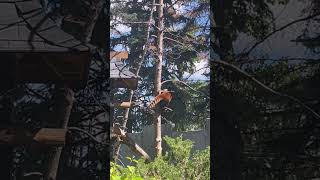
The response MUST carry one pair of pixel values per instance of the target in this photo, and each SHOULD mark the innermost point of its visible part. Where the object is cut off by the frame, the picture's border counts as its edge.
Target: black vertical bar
(7, 70)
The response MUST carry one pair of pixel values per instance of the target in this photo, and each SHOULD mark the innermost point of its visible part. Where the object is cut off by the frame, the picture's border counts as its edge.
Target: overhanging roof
(118, 70)
(33, 49)
(120, 75)
(25, 27)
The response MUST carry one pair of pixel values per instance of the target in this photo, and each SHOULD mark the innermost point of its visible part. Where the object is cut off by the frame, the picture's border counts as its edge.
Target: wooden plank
(49, 136)
(119, 55)
(121, 104)
(44, 136)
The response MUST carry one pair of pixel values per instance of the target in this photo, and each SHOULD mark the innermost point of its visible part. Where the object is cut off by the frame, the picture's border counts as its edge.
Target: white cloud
(200, 68)
(123, 28)
(179, 9)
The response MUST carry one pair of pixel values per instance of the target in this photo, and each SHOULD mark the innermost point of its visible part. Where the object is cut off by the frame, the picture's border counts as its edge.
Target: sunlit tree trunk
(157, 80)
(139, 64)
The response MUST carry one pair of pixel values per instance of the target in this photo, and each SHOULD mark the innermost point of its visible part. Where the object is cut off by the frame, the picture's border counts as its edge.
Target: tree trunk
(131, 93)
(226, 132)
(221, 14)
(64, 101)
(95, 9)
(157, 81)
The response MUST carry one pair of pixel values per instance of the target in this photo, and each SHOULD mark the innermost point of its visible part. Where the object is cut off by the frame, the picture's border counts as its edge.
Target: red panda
(164, 95)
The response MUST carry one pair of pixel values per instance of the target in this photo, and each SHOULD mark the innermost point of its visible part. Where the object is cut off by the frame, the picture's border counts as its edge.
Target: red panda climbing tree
(164, 95)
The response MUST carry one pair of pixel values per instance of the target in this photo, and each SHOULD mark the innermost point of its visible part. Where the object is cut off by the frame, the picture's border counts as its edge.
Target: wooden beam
(64, 97)
(49, 136)
(121, 104)
(118, 55)
(125, 139)
(44, 136)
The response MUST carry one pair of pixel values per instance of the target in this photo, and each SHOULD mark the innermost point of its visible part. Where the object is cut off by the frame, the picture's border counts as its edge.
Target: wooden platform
(120, 75)
(33, 49)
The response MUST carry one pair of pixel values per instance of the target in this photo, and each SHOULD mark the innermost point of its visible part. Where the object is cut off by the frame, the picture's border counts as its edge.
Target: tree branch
(175, 81)
(277, 30)
(223, 63)
(88, 134)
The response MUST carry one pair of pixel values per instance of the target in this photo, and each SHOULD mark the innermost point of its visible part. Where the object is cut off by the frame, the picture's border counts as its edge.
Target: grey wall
(145, 139)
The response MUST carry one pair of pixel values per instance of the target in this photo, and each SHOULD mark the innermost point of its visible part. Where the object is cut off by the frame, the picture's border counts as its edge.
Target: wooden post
(120, 104)
(64, 101)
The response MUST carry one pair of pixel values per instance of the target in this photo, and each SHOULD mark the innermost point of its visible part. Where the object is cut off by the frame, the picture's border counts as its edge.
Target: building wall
(145, 139)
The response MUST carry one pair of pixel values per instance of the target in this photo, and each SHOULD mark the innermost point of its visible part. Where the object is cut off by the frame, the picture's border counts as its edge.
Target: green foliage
(177, 163)
(118, 172)
(190, 108)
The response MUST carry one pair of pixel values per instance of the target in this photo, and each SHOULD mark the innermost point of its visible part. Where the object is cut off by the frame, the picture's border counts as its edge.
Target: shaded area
(266, 116)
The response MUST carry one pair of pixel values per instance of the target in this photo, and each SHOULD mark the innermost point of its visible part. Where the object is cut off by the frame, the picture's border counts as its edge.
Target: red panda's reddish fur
(164, 95)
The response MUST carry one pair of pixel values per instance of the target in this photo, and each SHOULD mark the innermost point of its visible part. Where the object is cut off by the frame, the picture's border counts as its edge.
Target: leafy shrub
(177, 163)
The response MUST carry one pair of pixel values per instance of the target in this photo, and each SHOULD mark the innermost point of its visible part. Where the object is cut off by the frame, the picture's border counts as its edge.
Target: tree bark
(122, 137)
(131, 93)
(64, 101)
(226, 130)
(157, 80)
(95, 10)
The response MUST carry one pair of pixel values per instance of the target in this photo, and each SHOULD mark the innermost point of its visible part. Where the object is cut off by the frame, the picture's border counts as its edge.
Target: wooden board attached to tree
(43, 136)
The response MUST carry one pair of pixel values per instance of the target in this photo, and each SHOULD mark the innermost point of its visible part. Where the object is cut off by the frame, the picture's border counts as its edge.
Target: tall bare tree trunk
(65, 95)
(226, 131)
(64, 101)
(127, 111)
(157, 81)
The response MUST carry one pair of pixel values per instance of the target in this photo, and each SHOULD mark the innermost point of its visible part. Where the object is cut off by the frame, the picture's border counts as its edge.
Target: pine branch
(185, 84)
(277, 30)
(88, 134)
(235, 68)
